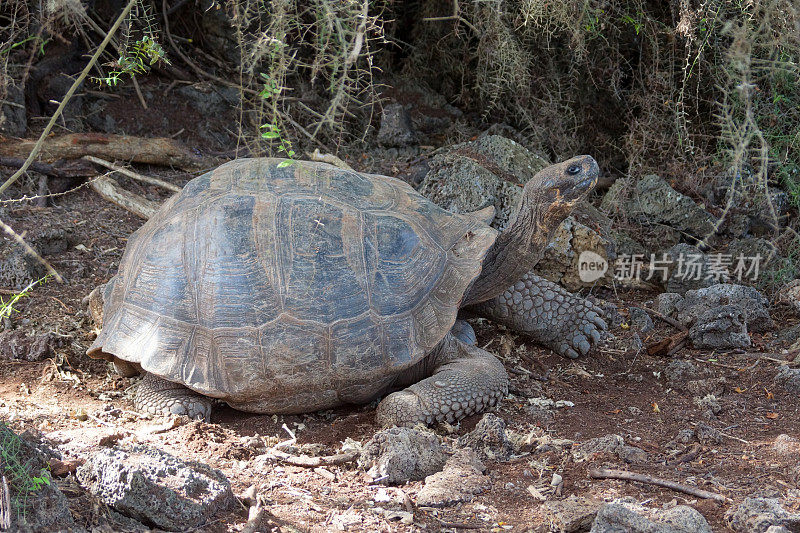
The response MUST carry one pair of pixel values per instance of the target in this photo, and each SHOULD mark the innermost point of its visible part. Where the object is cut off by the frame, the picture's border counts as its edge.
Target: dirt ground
(71, 399)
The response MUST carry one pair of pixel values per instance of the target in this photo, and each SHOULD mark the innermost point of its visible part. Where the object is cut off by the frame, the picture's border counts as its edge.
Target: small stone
(640, 320)
(678, 371)
(489, 439)
(398, 455)
(571, 514)
(757, 514)
(786, 445)
(708, 435)
(557, 480)
(788, 380)
(704, 387)
(460, 480)
(396, 129)
(667, 303)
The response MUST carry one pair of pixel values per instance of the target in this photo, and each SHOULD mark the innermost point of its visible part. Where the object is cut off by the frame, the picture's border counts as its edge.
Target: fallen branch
(156, 151)
(665, 318)
(314, 462)
(109, 189)
(669, 345)
(133, 175)
(606, 473)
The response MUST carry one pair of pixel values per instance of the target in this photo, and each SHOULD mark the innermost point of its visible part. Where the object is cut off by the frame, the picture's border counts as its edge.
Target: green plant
(7, 306)
(25, 475)
(137, 59)
(271, 131)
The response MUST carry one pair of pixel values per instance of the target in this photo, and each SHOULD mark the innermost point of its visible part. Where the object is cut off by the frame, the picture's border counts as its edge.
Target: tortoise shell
(289, 289)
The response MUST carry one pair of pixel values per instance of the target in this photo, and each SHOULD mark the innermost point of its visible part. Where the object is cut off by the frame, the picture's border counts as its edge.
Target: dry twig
(111, 190)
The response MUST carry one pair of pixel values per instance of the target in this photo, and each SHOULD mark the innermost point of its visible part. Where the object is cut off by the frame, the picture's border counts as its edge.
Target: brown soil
(72, 399)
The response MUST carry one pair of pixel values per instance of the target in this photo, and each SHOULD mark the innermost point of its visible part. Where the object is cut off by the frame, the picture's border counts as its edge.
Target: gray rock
(756, 515)
(17, 345)
(667, 303)
(789, 295)
(653, 202)
(703, 387)
(751, 247)
(18, 269)
(640, 320)
(488, 171)
(720, 328)
(707, 435)
(786, 445)
(777, 529)
(751, 301)
(613, 444)
(678, 372)
(560, 263)
(489, 439)
(605, 444)
(632, 454)
(43, 508)
(688, 268)
(710, 403)
(156, 488)
(13, 120)
(398, 455)
(625, 515)
(788, 380)
(790, 336)
(213, 103)
(571, 514)
(396, 128)
(460, 480)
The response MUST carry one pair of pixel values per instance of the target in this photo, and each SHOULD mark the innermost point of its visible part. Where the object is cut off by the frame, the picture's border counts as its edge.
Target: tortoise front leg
(464, 380)
(158, 396)
(552, 316)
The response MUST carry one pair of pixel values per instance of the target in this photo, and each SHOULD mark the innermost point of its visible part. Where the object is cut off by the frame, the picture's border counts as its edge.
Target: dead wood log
(154, 151)
(109, 189)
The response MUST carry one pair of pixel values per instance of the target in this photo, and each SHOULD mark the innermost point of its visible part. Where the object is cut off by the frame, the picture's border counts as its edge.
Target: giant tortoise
(292, 288)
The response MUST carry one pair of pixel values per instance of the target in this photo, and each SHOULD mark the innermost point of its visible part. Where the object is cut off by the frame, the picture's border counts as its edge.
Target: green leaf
(270, 135)
(285, 163)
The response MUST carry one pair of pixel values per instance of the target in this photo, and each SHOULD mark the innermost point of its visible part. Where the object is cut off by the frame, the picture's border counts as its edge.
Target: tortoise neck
(517, 250)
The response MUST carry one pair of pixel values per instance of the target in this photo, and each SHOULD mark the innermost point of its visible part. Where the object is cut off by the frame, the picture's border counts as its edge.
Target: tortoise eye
(573, 169)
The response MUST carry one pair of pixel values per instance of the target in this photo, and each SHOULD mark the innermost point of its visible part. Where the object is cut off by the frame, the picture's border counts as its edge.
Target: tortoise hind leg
(465, 380)
(161, 397)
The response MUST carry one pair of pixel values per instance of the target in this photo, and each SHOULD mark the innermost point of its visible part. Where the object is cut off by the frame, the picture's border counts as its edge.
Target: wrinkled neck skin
(517, 250)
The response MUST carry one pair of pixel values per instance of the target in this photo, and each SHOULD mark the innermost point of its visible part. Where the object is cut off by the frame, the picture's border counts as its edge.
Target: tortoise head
(556, 189)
